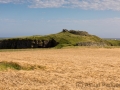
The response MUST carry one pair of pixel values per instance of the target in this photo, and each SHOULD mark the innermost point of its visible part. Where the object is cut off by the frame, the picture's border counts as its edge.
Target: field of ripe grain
(65, 69)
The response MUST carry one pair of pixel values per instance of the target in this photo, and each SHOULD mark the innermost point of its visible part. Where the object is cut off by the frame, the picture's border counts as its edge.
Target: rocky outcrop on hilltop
(82, 33)
(26, 43)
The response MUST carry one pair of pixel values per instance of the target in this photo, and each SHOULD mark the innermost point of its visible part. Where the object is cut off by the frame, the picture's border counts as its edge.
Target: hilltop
(58, 40)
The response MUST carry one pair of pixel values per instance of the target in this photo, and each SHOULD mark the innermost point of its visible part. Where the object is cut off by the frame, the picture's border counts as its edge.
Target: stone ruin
(77, 32)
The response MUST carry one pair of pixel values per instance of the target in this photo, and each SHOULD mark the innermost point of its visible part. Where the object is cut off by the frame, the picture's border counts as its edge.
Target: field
(78, 68)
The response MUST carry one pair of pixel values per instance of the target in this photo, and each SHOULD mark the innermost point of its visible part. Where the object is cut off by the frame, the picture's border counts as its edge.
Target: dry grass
(66, 69)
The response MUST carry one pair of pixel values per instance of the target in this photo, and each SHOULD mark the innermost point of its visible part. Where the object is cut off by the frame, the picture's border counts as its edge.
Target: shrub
(15, 66)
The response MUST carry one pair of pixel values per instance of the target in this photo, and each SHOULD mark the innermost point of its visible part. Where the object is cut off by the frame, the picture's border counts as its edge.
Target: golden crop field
(63, 69)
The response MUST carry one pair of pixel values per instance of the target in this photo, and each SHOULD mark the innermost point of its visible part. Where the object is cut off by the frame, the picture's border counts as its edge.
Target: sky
(43, 17)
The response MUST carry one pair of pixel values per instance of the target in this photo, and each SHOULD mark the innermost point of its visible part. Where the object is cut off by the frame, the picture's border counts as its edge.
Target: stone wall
(26, 43)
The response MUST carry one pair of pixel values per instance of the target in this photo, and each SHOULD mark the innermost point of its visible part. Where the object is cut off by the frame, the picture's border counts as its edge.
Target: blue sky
(42, 17)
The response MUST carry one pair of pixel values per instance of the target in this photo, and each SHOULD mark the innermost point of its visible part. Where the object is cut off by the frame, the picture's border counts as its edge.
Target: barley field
(63, 69)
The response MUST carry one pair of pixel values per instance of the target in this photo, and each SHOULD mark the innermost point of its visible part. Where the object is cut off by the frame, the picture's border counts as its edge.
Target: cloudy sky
(42, 17)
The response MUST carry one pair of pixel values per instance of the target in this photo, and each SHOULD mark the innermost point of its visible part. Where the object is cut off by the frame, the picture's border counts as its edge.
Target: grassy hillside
(114, 42)
(68, 38)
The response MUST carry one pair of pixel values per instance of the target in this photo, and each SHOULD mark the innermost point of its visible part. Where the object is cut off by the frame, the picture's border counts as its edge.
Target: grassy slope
(114, 42)
(71, 39)
(66, 38)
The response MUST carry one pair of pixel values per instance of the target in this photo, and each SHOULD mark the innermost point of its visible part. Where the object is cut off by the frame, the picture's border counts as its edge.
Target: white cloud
(82, 4)
(48, 3)
(13, 1)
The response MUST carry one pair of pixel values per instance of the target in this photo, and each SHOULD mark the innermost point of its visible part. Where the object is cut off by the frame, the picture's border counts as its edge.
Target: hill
(59, 40)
